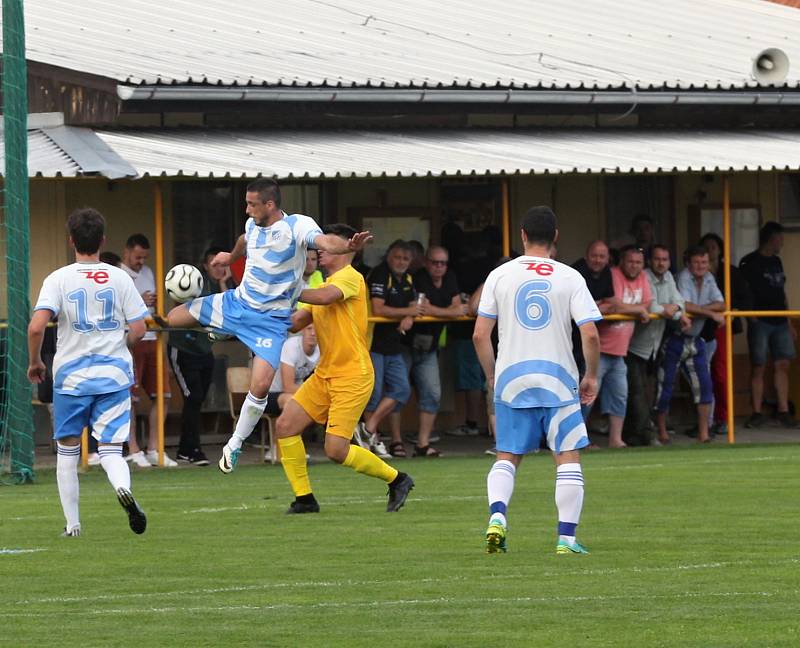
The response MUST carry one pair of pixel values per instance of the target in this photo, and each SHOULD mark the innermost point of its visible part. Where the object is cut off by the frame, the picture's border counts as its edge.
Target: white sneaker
(94, 459)
(463, 430)
(361, 436)
(152, 457)
(138, 459)
(377, 447)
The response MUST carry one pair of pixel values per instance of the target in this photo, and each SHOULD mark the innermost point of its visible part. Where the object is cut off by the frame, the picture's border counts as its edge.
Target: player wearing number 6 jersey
(258, 310)
(92, 369)
(534, 300)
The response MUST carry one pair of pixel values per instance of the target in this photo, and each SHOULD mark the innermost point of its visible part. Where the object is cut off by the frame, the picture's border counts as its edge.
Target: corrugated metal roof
(465, 43)
(45, 157)
(69, 151)
(331, 154)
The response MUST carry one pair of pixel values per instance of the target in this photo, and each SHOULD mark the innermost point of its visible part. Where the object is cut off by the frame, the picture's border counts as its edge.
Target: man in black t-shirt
(594, 268)
(763, 271)
(438, 291)
(392, 294)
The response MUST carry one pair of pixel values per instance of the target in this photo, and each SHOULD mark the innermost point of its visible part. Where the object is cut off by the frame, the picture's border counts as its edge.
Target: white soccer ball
(183, 282)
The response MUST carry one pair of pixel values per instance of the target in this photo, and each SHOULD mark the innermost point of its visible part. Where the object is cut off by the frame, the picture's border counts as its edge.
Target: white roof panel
(465, 43)
(45, 157)
(330, 154)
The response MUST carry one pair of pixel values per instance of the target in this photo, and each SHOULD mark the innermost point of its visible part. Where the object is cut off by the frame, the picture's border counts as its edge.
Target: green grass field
(690, 547)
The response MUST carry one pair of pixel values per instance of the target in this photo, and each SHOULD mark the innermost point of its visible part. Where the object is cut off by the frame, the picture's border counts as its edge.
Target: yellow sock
(364, 461)
(293, 459)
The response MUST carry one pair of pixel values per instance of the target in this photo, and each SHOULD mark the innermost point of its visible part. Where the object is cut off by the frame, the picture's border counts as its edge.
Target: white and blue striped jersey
(93, 302)
(276, 257)
(534, 301)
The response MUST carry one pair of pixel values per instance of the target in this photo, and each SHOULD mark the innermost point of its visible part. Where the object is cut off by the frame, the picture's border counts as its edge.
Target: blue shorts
(425, 378)
(263, 332)
(612, 385)
(391, 380)
(108, 416)
(469, 375)
(763, 338)
(520, 430)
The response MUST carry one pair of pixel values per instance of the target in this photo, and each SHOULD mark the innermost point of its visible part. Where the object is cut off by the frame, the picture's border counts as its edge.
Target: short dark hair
(659, 246)
(710, 236)
(137, 240)
(768, 230)
(342, 230)
(111, 258)
(213, 250)
(695, 251)
(539, 225)
(630, 248)
(398, 244)
(267, 189)
(416, 247)
(86, 226)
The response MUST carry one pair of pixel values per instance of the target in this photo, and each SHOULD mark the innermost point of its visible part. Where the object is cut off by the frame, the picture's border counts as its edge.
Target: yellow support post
(506, 219)
(159, 223)
(726, 258)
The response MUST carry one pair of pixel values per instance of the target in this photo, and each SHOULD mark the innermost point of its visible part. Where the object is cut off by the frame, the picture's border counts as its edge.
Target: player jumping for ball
(258, 311)
(534, 300)
(92, 369)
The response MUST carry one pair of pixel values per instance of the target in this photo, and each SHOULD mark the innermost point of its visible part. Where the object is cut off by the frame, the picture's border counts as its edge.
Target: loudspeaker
(770, 66)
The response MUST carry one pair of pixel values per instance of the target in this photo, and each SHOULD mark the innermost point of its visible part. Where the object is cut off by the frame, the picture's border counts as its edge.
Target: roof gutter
(446, 96)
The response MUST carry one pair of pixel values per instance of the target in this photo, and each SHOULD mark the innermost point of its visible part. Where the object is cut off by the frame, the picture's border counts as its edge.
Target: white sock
(67, 478)
(569, 499)
(115, 466)
(500, 487)
(252, 409)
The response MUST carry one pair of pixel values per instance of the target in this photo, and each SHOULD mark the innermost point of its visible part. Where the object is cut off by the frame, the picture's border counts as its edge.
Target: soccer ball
(183, 282)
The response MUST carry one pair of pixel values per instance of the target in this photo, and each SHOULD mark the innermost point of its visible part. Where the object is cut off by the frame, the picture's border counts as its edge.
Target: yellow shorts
(339, 401)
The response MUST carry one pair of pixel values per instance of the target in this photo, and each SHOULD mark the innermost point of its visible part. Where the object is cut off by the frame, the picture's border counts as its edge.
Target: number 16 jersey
(93, 302)
(534, 301)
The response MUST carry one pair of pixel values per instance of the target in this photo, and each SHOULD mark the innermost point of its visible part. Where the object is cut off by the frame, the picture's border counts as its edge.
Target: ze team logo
(542, 268)
(98, 276)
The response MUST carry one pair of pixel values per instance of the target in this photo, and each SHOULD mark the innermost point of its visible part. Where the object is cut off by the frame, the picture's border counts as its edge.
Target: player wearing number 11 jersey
(534, 300)
(92, 370)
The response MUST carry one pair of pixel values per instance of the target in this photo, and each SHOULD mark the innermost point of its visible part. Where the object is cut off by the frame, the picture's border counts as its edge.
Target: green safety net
(16, 411)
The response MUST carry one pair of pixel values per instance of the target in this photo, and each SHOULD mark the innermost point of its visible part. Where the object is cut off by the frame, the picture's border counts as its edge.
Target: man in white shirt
(137, 249)
(534, 300)
(92, 372)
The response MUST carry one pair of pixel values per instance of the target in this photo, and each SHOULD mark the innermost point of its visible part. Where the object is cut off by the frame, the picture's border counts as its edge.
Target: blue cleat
(564, 547)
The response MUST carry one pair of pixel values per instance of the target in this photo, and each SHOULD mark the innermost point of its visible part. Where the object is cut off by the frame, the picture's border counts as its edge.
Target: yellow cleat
(496, 538)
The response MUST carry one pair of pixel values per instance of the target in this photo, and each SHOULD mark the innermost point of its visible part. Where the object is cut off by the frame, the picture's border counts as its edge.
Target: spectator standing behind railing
(442, 298)
(595, 269)
(392, 294)
(687, 349)
(192, 362)
(631, 297)
(763, 271)
(145, 353)
(741, 299)
(668, 304)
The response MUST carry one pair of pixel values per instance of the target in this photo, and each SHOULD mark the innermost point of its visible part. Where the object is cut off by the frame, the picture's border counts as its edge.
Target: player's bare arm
(482, 339)
(226, 258)
(321, 296)
(590, 342)
(337, 245)
(136, 331)
(301, 318)
(36, 328)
